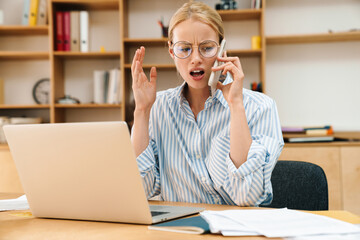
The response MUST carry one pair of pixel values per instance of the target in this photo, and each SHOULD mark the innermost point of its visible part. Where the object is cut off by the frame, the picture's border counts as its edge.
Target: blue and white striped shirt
(188, 160)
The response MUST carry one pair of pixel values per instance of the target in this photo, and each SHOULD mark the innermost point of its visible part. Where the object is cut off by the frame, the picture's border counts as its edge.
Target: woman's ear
(171, 52)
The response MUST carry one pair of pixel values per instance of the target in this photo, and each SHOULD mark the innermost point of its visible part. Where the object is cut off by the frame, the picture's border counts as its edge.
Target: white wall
(314, 84)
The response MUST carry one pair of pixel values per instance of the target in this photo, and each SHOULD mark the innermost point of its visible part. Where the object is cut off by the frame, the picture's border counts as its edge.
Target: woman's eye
(185, 49)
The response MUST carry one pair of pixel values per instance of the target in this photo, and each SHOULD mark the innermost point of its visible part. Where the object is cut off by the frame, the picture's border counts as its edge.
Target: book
(84, 31)
(26, 11)
(75, 31)
(33, 12)
(308, 139)
(59, 31)
(42, 13)
(66, 30)
(99, 83)
(192, 225)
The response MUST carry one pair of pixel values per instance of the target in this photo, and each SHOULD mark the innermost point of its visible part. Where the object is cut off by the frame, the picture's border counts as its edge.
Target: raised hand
(143, 89)
(233, 91)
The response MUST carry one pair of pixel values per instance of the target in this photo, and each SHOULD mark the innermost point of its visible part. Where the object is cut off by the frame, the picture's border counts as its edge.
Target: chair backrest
(299, 185)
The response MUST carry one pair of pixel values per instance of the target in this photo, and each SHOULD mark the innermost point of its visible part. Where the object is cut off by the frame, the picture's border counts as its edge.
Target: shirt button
(198, 156)
(203, 179)
(197, 130)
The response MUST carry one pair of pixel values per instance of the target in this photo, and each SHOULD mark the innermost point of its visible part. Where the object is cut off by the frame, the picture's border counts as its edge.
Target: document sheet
(19, 203)
(275, 223)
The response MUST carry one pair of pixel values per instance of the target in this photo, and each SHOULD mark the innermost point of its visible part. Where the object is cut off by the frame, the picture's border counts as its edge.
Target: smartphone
(214, 76)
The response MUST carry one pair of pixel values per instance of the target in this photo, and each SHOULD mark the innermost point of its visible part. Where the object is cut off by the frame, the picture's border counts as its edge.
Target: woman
(194, 147)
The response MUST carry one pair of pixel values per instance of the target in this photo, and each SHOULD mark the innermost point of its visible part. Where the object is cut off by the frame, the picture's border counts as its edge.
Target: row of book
(34, 12)
(72, 31)
(256, 4)
(308, 134)
(107, 86)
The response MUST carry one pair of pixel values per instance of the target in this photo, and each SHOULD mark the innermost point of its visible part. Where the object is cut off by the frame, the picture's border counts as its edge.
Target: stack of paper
(19, 203)
(275, 223)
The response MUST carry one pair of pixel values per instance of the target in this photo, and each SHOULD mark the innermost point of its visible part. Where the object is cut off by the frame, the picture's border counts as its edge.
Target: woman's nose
(196, 58)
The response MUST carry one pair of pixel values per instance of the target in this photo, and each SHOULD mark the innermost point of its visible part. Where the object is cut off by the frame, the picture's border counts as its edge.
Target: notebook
(84, 171)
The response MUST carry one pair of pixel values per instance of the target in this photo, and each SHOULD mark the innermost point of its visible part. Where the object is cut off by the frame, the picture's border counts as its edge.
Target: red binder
(66, 32)
(59, 31)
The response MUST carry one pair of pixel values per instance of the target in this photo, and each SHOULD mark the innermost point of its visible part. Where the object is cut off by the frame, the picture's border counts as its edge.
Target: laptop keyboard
(156, 213)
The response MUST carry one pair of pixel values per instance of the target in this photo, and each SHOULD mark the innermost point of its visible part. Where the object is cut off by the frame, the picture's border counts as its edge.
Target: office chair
(299, 185)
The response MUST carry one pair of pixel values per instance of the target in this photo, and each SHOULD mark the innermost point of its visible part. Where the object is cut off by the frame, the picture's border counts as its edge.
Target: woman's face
(195, 69)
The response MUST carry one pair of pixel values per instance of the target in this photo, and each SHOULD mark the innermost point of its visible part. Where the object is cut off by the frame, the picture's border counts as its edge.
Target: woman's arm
(144, 95)
(240, 138)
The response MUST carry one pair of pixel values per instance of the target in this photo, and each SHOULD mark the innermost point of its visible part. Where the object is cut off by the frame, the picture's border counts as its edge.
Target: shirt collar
(218, 96)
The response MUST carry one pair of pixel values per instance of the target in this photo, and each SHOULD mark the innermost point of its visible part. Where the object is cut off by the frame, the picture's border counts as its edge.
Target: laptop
(84, 171)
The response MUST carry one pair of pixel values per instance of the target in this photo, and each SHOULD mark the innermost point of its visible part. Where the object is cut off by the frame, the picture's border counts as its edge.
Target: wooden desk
(15, 227)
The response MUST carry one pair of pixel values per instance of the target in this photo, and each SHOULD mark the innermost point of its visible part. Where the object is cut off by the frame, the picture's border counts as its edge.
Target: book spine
(33, 12)
(75, 31)
(99, 82)
(106, 86)
(26, 11)
(59, 31)
(66, 30)
(112, 87)
(84, 31)
(120, 87)
(42, 13)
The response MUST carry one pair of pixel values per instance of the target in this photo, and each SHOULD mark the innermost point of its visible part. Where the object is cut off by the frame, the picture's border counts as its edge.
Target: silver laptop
(85, 171)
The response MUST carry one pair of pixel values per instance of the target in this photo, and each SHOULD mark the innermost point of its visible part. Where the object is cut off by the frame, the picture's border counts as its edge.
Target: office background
(312, 83)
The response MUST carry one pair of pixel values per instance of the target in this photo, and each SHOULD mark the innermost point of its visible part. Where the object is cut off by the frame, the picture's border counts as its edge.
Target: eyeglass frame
(173, 44)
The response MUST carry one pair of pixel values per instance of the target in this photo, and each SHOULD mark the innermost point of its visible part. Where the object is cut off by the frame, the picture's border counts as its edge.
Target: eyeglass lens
(207, 49)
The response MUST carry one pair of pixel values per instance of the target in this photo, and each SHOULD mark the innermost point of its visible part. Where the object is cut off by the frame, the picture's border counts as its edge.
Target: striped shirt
(188, 159)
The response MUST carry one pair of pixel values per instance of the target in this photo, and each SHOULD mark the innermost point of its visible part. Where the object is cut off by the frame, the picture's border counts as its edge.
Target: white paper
(19, 203)
(278, 223)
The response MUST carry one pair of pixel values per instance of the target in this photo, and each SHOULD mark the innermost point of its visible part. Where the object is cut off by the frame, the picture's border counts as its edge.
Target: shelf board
(314, 38)
(88, 105)
(15, 55)
(244, 53)
(240, 14)
(87, 55)
(28, 106)
(23, 30)
(88, 4)
(146, 41)
(158, 66)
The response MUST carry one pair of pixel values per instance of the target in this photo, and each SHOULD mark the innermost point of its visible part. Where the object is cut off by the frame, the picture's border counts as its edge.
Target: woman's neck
(196, 98)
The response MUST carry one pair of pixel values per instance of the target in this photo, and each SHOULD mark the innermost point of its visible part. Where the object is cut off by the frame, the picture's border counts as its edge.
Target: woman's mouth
(197, 74)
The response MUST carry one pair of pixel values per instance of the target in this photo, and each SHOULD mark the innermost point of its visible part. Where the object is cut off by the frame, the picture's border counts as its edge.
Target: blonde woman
(194, 147)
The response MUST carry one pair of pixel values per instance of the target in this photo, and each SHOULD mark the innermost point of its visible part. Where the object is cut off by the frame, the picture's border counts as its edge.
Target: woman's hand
(233, 91)
(143, 89)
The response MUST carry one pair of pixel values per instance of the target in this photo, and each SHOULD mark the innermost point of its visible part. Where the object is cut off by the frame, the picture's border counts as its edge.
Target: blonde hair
(199, 11)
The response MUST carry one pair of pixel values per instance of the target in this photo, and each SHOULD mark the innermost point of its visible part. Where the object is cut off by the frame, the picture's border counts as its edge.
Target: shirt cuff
(256, 158)
(146, 160)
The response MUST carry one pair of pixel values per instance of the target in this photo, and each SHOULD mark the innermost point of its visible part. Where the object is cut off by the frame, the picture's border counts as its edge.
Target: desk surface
(13, 225)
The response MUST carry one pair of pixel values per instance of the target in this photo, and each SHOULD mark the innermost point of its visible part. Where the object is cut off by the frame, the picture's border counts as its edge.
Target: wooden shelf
(33, 106)
(23, 30)
(87, 55)
(244, 53)
(314, 38)
(13, 55)
(146, 41)
(88, 4)
(240, 14)
(88, 105)
(158, 66)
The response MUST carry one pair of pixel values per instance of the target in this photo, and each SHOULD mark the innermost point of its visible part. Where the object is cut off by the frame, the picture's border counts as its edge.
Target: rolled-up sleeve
(148, 165)
(249, 185)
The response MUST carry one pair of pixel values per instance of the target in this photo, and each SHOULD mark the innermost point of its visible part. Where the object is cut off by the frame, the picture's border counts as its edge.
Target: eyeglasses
(183, 49)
